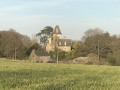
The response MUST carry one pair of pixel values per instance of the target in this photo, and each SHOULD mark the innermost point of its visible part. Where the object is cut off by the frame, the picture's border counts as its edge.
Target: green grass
(44, 76)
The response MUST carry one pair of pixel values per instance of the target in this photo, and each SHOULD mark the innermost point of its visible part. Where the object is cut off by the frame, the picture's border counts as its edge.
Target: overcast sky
(74, 17)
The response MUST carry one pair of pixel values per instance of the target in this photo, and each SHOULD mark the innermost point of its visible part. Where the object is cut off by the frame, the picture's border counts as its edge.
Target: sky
(74, 17)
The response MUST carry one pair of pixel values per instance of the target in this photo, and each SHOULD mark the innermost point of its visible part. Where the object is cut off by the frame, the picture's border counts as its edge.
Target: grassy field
(44, 76)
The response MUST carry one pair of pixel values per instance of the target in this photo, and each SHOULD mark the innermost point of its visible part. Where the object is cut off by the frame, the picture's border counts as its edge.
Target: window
(59, 43)
(65, 43)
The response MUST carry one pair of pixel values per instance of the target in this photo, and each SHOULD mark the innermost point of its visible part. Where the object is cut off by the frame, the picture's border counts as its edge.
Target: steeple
(57, 30)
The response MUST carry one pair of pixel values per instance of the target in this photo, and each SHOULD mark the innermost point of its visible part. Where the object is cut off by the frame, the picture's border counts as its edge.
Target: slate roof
(57, 30)
(41, 53)
(65, 42)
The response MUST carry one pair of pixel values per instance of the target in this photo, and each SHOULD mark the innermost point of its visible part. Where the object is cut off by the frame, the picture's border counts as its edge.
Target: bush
(62, 55)
(111, 59)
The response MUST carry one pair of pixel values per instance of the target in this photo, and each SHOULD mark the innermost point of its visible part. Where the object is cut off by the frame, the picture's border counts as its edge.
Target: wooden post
(57, 56)
(57, 50)
(15, 53)
(98, 51)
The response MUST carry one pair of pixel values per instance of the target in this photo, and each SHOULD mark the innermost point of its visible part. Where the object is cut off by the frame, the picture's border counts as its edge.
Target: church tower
(57, 33)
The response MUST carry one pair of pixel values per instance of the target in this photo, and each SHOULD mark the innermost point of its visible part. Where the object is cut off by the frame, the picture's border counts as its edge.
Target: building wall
(65, 48)
(36, 58)
(43, 59)
(48, 47)
(57, 35)
(51, 45)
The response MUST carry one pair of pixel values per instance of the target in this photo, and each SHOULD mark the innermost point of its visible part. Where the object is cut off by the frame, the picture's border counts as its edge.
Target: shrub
(111, 59)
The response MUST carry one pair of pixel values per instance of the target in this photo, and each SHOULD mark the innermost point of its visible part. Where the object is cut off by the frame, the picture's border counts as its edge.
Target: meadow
(50, 76)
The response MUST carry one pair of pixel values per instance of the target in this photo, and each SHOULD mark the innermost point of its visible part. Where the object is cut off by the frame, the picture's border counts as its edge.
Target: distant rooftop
(57, 30)
(41, 53)
(65, 42)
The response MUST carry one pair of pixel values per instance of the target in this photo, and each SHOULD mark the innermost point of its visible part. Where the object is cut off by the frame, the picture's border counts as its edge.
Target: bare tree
(13, 44)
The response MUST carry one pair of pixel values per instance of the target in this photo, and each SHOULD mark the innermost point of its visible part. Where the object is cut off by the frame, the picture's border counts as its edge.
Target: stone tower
(57, 33)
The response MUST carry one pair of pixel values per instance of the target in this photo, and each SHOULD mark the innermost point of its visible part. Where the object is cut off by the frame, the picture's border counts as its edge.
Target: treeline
(14, 45)
(98, 43)
(95, 43)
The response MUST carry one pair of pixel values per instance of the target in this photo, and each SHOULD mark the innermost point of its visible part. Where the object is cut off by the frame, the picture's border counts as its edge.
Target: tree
(35, 47)
(98, 44)
(92, 32)
(78, 49)
(75, 50)
(34, 39)
(1, 53)
(13, 44)
(114, 57)
(62, 55)
(44, 34)
(58, 54)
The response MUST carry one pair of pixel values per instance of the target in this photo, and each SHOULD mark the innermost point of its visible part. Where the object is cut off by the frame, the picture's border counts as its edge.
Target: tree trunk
(98, 51)
(15, 53)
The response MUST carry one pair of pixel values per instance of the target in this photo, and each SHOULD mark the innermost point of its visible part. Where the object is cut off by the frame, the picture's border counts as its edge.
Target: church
(55, 40)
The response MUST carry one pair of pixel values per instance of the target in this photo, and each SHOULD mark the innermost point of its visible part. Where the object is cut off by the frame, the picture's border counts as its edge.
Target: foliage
(95, 41)
(13, 44)
(30, 57)
(62, 55)
(44, 34)
(35, 47)
(98, 44)
(41, 76)
(92, 32)
(51, 53)
(78, 50)
(111, 59)
(69, 55)
(75, 50)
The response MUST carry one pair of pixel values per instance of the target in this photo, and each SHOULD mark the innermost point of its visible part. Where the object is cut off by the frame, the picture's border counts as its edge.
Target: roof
(65, 42)
(57, 30)
(41, 53)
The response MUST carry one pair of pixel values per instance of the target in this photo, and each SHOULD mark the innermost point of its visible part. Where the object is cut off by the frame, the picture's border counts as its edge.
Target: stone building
(37, 56)
(55, 40)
